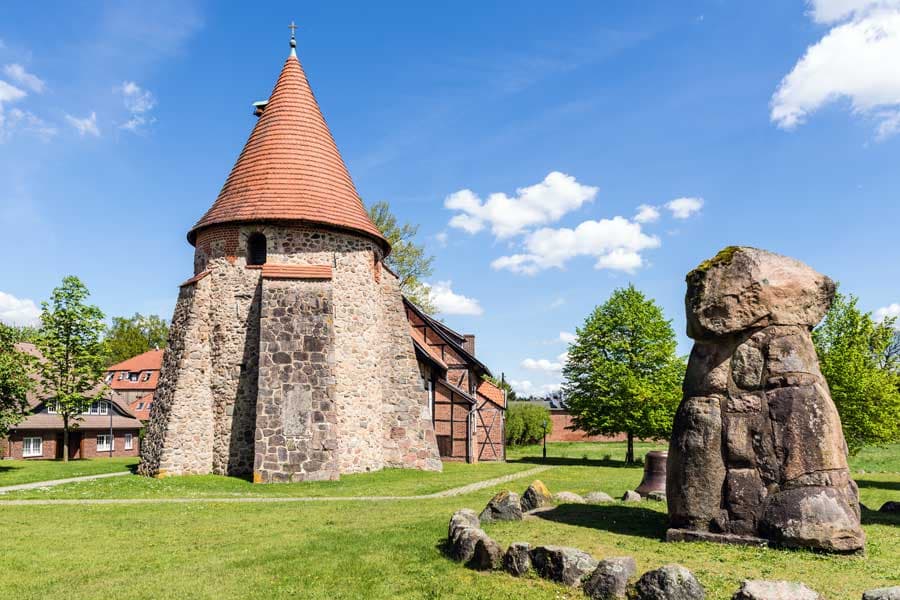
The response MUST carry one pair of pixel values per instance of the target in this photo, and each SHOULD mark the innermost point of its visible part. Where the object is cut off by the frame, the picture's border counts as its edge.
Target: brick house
(134, 381)
(468, 412)
(106, 428)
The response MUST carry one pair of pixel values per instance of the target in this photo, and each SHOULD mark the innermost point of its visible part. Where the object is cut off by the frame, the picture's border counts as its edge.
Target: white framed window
(104, 442)
(52, 408)
(129, 440)
(140, 406)
(109, 377)
(133, 376)
(147, 376)
(123, 375)
(32, 446)
(98, 407)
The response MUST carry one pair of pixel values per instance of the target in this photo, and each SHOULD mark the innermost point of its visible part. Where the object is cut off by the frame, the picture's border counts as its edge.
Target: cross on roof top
(293, 28)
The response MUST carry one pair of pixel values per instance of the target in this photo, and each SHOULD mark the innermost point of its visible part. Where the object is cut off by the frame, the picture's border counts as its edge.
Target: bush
(525, 423)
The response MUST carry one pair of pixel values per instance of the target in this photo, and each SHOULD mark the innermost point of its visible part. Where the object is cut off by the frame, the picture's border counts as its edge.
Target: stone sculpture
(757, 449)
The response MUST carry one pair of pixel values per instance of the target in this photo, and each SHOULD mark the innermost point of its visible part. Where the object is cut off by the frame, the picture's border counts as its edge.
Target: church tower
(289, 353)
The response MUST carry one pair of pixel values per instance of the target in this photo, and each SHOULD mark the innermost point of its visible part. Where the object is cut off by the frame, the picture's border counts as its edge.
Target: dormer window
(256, 249)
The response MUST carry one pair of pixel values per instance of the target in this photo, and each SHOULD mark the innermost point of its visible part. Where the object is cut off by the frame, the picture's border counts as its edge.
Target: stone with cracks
(609, 581)
(536, 496)
(487, 555)
(774, 590)
(465, 517)
(504, 506)
(568, 498)
(757, 450)
(670, 582)
(598, 498)
(517, 560)
(890, 593)
(568, 566)
(462, 546)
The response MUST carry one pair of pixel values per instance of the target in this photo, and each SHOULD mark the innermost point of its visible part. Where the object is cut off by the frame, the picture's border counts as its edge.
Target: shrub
(525, 423)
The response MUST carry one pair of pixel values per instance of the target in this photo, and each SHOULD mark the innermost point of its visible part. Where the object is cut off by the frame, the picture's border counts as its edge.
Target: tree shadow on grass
(624, 519)
(562, 461)
(4, 469)
(874, 517)
(872, 483)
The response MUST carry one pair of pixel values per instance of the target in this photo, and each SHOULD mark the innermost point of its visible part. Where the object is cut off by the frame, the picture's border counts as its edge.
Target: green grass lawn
(390, 549)
(13, 472)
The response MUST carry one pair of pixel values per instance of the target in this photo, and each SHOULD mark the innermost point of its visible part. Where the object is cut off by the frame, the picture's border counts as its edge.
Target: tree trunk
(65, 438)
(629, 454)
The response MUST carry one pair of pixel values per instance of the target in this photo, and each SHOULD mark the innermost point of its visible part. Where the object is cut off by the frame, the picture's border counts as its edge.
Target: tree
(525, 422)
(74, 354)
(130, 336)
(851, 348)
(623, 375)
(15, 381)
(407, 259)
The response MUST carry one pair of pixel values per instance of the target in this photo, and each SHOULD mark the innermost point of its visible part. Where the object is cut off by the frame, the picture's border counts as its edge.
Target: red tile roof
(150, 361)
(273, 271)
(196, 278)
(492, 393)
(290, 168)
(144, 402)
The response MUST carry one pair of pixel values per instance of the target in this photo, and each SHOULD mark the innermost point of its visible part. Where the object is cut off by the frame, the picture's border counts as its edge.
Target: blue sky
(523, 136)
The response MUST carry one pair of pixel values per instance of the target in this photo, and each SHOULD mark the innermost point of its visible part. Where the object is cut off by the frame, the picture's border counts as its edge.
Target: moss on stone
(723, 257)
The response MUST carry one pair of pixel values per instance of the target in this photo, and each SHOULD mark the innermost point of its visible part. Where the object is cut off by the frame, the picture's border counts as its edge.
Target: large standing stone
(757, 449)
(504, 506)
(609, 581)
(568, 566)
(536, 496)
(774, 590)
(670, 582)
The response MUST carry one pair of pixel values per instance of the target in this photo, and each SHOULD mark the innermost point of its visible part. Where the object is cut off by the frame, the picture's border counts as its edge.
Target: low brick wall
(562, 421)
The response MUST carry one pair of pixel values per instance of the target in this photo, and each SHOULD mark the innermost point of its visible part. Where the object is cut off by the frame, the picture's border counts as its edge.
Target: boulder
(536, 496)
(657, 496)
(462, 546)
(464, 517)
(631, 496)
(774, 590)
(517, 560)
(487, 555)
(890, 507)
(670, 582)
(568, 566)
(609, 581)
(598, 498)
(568, 498)
(888, 593)
(812, 517)
(504, 506)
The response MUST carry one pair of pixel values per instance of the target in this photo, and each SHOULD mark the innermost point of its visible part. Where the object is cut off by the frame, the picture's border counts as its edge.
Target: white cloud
(29, 122)
(448, 302)
(527, 388)
(10, 93)
(85, 126)
(885, 312)
(567, 337)
(542, 364)
(615, 244)
(139, 102)
(647, 214)
(855, 61)
(683, 208)
(18, 311)
(539, 204)
(18, 74)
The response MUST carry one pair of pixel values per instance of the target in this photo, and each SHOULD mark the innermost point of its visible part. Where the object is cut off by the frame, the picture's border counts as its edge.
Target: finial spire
(293, 28)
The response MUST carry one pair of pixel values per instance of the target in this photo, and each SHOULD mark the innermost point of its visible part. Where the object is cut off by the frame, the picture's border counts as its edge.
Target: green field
(14, 472)
(386, 549)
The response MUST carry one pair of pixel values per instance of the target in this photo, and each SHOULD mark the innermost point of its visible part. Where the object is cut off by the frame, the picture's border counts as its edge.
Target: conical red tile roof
(290, 168)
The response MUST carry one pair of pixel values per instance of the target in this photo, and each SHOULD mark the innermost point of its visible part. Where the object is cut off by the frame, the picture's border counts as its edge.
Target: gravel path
(458, 491)
(42, 484)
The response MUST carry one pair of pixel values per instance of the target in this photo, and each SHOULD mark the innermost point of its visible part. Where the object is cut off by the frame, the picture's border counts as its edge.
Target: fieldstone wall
(296, 422)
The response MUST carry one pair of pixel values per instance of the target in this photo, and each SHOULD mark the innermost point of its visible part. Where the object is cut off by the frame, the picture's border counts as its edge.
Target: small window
(52, 407)
(32, 446)
(149, 404)
(123, 375)
(133, 376)
(128, 441)
(256, 249)
(140, 406)
(97, 408)
(109, 377)
(104, 442)
(147, 375)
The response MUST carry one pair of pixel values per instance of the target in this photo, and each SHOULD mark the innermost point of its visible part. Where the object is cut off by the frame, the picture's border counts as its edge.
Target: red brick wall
(89, 444)
(12, 447)
(562, 420)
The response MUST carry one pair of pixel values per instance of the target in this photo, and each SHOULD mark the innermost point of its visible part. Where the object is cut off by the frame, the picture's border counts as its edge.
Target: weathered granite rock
(631, 496)
(536, 496)
(504, 506)
(462, 545)
(757, 448)
(774, 590)
(609, 580)
(464, 517)
(517, 560)
(890, 507)
(598, 498)
(487, 556)
(568, 498)
(889, 593)
(670, 582)
(568, 566)
(657, 496)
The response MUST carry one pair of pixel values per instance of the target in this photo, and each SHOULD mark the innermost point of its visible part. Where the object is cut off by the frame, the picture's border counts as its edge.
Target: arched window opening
(256, 249)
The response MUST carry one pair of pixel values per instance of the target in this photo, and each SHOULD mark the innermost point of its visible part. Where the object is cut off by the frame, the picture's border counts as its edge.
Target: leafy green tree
(74, 353)
(407, 258)
(15, 380)
(130, 336)
(525, 422)
(623, 375)
(851, 347)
